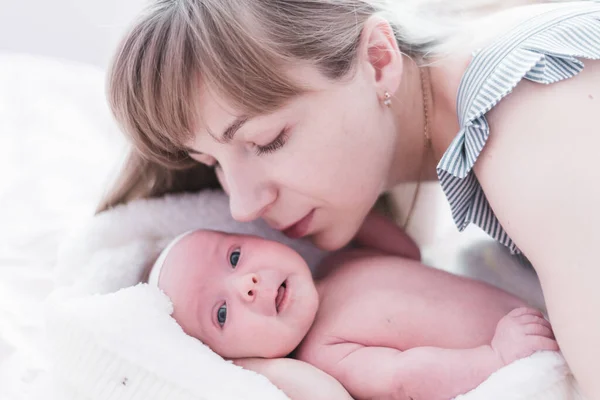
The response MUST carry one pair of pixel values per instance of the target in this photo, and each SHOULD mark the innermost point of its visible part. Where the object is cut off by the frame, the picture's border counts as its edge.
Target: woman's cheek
(222, 180)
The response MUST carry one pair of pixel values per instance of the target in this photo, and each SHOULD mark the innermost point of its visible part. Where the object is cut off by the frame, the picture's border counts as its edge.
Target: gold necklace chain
(427, 145)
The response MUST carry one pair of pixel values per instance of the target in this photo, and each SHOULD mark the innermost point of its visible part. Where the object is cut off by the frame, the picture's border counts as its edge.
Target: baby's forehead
(192, 243)
(187, 262)
(196, 246)
(195, 254)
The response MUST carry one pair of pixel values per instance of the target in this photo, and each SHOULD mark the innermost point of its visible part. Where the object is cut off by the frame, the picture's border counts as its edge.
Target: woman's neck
(427, 91)
(444, 80)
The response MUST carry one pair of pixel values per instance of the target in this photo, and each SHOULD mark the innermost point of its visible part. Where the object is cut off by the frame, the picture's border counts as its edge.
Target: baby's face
(243, 296)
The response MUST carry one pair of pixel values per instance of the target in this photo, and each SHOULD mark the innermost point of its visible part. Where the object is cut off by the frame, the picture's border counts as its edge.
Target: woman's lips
(300, 228)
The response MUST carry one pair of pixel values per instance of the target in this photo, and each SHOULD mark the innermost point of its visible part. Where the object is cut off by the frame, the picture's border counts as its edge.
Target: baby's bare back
(386, 301)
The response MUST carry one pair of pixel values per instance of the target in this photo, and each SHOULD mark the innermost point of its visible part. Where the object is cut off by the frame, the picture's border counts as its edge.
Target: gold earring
(387, 99)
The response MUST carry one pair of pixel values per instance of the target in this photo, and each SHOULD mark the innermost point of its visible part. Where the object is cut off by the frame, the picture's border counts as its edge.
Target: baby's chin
(257, 350)
(264, 353)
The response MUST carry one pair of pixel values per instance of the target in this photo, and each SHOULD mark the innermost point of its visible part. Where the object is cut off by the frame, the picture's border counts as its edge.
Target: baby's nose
(247, 286)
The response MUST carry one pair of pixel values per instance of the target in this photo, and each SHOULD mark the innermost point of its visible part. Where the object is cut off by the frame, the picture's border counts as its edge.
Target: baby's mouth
(281, 295)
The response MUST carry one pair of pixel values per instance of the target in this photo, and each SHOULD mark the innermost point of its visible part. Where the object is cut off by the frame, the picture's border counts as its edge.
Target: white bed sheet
(58, 150)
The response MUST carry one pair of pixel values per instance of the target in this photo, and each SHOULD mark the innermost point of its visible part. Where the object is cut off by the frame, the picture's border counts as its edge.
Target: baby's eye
(234, 257)
(222, 314)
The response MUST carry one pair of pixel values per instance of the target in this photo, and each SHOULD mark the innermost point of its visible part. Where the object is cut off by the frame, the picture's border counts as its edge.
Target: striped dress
(545, 49)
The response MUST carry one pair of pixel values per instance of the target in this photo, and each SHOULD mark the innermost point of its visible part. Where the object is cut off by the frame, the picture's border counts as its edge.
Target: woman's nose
(249, 196)
(247, 286)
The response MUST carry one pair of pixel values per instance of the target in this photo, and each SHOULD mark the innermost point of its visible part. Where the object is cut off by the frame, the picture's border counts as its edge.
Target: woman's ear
(380, 56)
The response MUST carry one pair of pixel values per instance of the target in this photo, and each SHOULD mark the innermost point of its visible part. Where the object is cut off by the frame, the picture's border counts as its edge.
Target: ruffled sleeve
(546, 49)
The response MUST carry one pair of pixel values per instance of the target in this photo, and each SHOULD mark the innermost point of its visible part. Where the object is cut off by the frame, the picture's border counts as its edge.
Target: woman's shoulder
(481, 32)
(506, 90)
(537, 166)
(457, 58)
(546, 46)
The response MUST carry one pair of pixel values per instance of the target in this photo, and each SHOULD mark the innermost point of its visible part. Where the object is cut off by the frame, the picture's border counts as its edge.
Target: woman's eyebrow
(227, 136)
(231, 130)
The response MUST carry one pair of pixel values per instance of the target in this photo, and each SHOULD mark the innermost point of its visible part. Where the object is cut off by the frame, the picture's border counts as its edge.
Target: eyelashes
(275, 145)
(259, 150)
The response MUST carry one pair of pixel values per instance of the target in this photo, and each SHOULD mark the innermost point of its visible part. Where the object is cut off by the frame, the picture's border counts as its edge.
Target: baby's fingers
(539, 330)
(540, 343)
(533, 319)
(521, 311)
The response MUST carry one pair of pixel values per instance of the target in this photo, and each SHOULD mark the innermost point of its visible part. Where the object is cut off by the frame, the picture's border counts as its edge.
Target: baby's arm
(434, 373)
(297, 379)
(420, 373)
(380, 233)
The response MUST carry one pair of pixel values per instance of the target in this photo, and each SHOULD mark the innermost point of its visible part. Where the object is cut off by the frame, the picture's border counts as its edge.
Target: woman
(308, 110)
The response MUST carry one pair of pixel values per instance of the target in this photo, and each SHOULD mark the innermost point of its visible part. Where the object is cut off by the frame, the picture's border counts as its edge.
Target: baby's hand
(522, 332)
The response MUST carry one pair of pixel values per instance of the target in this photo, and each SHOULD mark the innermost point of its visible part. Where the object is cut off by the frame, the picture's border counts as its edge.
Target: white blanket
(125, 346)
(131, 335)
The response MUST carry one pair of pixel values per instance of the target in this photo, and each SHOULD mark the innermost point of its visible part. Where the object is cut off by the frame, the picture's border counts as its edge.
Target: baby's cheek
(183, 317)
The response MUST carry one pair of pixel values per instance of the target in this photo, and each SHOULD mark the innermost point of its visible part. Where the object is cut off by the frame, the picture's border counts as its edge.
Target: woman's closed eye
(260, 150)
(275, 145)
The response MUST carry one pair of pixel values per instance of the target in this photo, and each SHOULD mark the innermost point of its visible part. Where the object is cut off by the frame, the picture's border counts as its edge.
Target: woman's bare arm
(540, 174)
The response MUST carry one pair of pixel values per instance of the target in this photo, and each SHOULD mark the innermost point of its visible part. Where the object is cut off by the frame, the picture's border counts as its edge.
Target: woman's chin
(332, 239)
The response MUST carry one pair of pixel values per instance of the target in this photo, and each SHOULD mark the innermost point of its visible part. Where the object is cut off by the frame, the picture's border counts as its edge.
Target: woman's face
(313, 168)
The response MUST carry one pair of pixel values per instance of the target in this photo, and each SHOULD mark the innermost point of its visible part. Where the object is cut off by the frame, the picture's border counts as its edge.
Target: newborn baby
(382, 325)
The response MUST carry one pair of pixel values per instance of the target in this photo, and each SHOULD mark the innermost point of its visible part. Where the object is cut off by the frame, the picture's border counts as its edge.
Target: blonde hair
(238, 49)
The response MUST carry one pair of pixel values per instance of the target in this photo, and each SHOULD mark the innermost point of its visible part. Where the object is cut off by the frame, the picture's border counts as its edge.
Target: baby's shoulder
(341, 261)
(364, 266)
(348, 282)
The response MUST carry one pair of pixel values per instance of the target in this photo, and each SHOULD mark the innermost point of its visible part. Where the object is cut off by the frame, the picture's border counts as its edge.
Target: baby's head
(243, 296)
